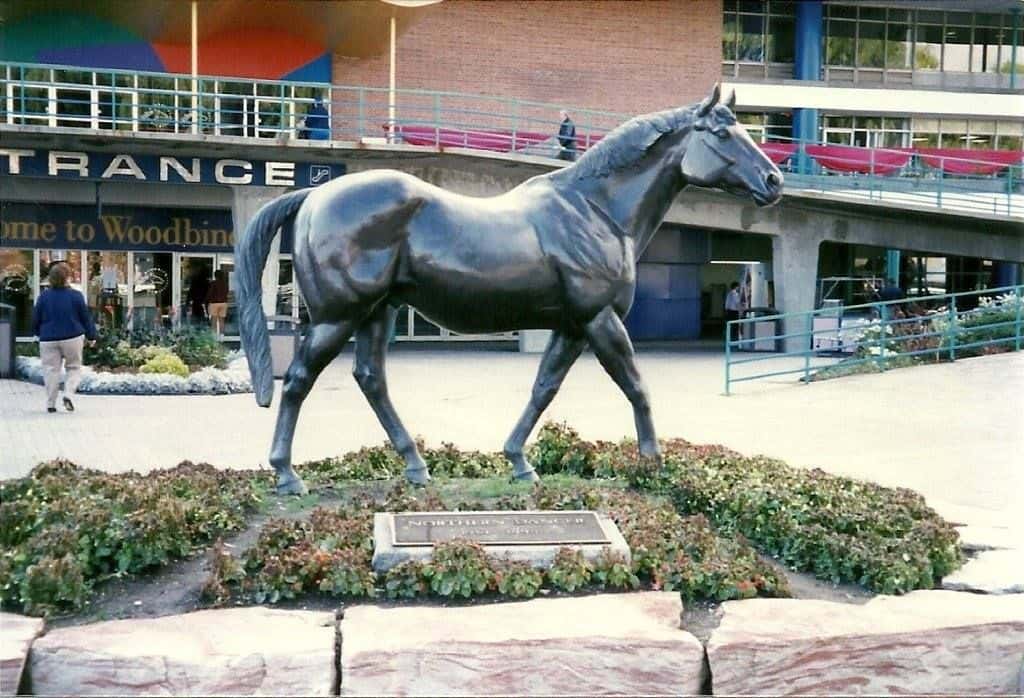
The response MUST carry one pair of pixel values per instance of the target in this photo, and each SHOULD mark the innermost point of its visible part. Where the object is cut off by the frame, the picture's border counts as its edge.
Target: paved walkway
(954, 432)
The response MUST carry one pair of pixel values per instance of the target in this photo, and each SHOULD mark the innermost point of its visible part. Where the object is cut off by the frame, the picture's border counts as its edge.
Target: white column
(795, 273)
(246, 202)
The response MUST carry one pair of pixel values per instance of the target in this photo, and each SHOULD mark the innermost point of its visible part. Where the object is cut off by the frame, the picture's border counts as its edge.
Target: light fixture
(734, 261)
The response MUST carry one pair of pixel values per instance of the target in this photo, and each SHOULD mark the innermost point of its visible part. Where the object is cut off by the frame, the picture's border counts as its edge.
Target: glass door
(194, 278)
(106, 288)
(152, 301)
(229, 323)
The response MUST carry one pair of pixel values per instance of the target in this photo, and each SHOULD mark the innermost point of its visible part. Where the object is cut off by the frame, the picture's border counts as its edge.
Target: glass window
(106, 291)
(899, 46)
(985, 50)
(779, 126)
(954, 133)
(16, 287)
(1010, 142)
(73, 258)
(957, 56)
(928, 52)
(730, 30)
(1006, 53)
(871, 45)
(839, 43)
(751, 38)
(781, 39)
(839, 121)
(845, 11)
(876, 14)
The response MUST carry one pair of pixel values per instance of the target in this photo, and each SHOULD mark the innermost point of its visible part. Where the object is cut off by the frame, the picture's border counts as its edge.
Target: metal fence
(841, 340)
(119, 100)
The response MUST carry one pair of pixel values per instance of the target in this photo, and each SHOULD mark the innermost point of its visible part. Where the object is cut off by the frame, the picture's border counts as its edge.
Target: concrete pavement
(953, 432)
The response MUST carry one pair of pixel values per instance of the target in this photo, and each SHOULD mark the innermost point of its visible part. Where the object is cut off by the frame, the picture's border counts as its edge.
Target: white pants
(51, 354)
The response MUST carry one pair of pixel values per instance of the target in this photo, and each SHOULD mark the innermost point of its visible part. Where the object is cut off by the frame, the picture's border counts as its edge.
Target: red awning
(777, 152)
(963, 161)
(844, 158)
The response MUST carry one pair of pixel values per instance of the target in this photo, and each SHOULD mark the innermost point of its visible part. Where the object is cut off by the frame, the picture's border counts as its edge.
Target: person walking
(217, 301)
(62, 322)
(733, 306)
(566, 138)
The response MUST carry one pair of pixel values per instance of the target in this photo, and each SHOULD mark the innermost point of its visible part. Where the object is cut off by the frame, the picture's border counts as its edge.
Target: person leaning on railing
(61, 321)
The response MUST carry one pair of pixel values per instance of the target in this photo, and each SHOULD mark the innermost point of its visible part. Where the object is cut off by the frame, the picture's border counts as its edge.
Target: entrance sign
(500, 528)
(64, 226)
(168, 169)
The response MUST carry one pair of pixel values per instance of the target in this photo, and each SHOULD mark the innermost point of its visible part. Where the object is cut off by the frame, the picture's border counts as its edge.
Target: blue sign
(172, 169)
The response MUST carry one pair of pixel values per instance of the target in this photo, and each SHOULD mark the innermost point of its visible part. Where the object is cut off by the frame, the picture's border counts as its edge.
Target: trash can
(284, 342)
(761, 335)
(8, 328)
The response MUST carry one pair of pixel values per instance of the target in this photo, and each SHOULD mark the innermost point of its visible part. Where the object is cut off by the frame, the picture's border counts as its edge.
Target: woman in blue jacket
(62, 321)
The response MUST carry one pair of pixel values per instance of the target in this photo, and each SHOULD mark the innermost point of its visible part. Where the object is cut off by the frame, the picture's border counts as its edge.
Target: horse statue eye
(722, 133)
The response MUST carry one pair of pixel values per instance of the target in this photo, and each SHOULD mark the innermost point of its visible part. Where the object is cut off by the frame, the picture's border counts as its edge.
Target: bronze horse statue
(558, 252)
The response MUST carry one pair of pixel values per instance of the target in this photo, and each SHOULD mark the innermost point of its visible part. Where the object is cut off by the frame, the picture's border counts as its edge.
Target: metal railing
(118, 100)
(887, 334)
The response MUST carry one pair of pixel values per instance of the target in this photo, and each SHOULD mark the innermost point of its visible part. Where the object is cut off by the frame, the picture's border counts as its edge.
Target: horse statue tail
(251, 251)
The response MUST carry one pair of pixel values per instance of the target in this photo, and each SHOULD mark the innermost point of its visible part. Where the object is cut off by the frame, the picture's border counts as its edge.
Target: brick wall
(629, 56)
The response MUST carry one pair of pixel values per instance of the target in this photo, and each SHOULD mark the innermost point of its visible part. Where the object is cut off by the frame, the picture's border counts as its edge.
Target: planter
(208, 381)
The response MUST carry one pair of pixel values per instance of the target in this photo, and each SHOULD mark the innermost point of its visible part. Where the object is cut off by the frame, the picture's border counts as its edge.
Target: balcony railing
(116, 100)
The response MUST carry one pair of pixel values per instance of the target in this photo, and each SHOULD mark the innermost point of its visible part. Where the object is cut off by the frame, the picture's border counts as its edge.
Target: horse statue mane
(629, 142)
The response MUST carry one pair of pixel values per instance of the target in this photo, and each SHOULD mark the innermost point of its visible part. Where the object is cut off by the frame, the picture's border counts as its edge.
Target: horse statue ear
(705, 107)
(731, 102)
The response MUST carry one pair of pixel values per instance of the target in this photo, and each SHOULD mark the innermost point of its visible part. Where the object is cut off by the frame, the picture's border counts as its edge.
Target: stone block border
(209, 381)
(927, 642)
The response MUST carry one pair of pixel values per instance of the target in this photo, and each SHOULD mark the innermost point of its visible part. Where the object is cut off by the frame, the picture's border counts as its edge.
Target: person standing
(566, 138)
(733, 307)
(217, 301)
(62, 322)
(198, 286)
(317, 122)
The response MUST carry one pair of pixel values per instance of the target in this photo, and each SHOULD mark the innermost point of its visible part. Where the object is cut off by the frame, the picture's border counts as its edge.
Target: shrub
(459, 568)
(123, 348)
(559, 449)
(517, 579)
(165, 362)
(66, 528)
(406, 581)
(570, 570)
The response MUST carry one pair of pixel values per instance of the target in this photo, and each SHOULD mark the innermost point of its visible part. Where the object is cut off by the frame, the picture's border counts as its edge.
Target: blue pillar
(807, 66)
(1005, 274)
(892, 267)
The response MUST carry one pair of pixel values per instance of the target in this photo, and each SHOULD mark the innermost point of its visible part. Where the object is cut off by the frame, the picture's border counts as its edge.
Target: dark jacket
(567, 135)
(60, 313)
(317, 127)
(218, 292)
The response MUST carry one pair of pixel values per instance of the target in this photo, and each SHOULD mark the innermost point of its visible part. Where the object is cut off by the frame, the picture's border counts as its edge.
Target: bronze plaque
(500, 528)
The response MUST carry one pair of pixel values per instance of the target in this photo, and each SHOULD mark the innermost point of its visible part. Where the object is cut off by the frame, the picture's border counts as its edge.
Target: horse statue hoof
(420, 476)
(292, 485)
(526, 476)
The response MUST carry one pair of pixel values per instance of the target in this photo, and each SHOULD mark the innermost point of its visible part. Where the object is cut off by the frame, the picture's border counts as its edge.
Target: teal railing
(119, 100)
(831, 342)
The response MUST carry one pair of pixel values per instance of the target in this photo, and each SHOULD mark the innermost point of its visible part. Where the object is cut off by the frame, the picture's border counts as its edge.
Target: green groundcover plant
(64, 528)
(148, 350)
(694, 525)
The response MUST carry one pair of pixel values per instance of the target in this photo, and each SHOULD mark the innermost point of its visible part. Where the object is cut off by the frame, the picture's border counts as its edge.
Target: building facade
(132, 149)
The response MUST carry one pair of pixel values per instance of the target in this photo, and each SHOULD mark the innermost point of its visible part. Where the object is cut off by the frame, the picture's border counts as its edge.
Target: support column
(246, 201)
(807, 66)
(795, 274)
(892, 267)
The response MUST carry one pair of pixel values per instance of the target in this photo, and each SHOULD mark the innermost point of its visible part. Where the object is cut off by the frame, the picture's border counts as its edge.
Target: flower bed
(693, 526)
(66, 528)
(206, 381)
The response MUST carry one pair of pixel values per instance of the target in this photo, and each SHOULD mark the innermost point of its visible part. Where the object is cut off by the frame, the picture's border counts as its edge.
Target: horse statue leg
(559, 356)
(318, 348)
(368, 368)
(613, 348)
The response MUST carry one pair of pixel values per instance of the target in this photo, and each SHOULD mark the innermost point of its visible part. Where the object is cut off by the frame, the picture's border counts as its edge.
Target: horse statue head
(720, 154)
